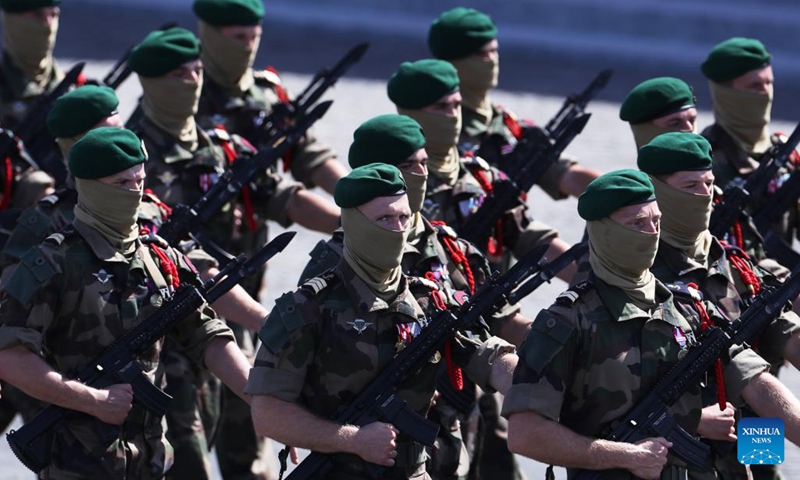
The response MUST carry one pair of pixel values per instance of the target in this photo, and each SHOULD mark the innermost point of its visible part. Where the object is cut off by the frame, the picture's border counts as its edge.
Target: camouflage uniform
(454, 204)
(324, 343)
(18, 93)
(451, 459)
(723, 287)
(475, 129)
(179, 176)
(593, 354)
(732, 163)
(57, 304)
(238, 112)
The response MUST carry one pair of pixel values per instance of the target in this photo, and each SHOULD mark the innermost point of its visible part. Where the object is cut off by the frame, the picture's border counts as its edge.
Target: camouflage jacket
(425, 258)
(56, 211)
(593, 355)
(68, 300)
(732, 163)
(242, 112)
(177, 175)
(454, 204)
(721, 285)
(18, 93)
(323, 344)
(476, 129)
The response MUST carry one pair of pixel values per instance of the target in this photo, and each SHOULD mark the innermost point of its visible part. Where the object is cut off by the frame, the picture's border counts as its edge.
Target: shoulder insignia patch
(56, 238)
(33, 271)
(281, 323)
(319, 283)
(49, 200)
(685, 290)
(573, 294)
(446, 230)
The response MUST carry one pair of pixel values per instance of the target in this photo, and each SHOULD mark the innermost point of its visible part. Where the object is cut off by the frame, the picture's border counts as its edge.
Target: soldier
(428, 92)
(363, 311)
(679, 165)
(237, 97)
(659, 105)
(28, 67)
(434, 252)
(46, 312)
(605, 343)
(184, 163)
(467, 38)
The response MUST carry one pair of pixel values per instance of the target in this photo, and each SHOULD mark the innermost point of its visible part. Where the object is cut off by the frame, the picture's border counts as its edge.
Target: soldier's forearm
(238, 306)
(225, 360)
(770, 398)
(576, 179)
(563, 446)
(791, 351)
(292, 424)
(313, 212)
(327, 174)
(28, 372)
(515, 329)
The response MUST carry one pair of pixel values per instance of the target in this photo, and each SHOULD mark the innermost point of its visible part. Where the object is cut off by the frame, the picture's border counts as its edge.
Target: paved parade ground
(606, 144)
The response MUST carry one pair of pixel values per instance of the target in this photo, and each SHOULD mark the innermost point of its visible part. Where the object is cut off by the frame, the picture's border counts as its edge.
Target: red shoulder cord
(453, 370)
(283, 96)
(247, 202)
(705, 322)
(512, 125)
(7, 185)
(457, 256)
(165, 209)
(739, 260)
(495, 244)
(168, 267)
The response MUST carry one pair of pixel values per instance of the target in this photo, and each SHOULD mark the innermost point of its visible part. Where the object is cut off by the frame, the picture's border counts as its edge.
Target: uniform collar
(99, 245)
(680, 265)
(622, 309)
(169, 147)
(366, 300)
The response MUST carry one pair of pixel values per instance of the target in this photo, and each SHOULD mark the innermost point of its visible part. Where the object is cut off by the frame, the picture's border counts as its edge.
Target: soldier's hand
(375, 443)
(649, 457)
(114, 403)
(718, 424)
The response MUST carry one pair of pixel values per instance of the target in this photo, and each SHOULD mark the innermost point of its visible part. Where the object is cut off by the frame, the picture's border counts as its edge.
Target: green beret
(105, 151)
(386, 139)
(163, 51)
(418, 84)
(19, 6)
(366, 183)
(459, 33)
(674, 152)
(78, 111)
(735, 57)
(613, 191)
(656, 98)
(229, 12)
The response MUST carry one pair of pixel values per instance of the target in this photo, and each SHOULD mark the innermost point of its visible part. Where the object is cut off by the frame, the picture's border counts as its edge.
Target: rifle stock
(117, 364)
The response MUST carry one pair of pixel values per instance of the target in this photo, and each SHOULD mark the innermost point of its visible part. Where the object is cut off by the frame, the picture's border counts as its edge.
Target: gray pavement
(606, 144)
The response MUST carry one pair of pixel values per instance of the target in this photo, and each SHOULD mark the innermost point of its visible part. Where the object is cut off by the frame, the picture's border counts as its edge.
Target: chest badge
(359, 325)
(167, 178)
(102, 276)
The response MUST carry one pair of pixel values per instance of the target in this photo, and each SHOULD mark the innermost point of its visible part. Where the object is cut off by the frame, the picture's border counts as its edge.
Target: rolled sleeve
(275, 208)
(309, 154)
(540, 397)
(479, 367)
(196, 333)
(265, 379)
(551, 180)
(772, 342)
(745, 365)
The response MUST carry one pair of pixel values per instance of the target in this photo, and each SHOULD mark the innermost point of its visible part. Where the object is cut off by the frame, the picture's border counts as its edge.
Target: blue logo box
(760, 441)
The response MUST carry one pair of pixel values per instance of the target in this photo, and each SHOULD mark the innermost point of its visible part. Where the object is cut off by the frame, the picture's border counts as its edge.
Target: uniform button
(290, 309)
(551, 323)
(32, 220)
(39, 261)
(323, 254)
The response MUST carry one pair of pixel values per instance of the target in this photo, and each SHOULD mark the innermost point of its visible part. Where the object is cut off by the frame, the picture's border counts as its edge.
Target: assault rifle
(117, 364)
(379, 400)
(186, 220)
(650, 418)
(324, 79)
(533, 154)
(739, 195)
(784, 199)
(32, 130)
